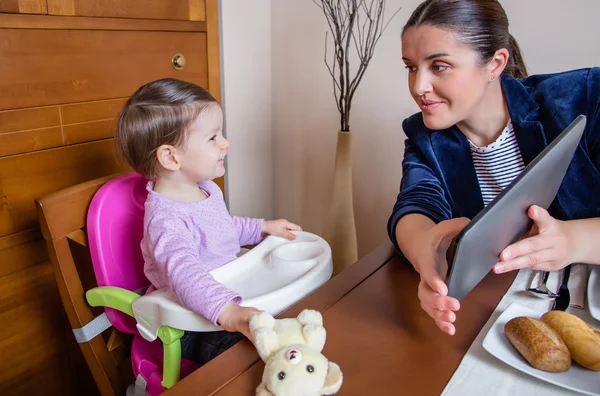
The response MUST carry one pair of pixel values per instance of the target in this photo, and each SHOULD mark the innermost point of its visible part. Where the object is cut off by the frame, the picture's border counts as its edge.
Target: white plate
(576, 378)
(593, 292)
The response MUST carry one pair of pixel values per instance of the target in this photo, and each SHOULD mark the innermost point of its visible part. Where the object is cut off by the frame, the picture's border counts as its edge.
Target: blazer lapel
(523, 112)
(452, 150)
(530, 138)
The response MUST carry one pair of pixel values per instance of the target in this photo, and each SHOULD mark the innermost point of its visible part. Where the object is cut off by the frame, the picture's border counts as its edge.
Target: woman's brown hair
(480, 24)
(158, 113)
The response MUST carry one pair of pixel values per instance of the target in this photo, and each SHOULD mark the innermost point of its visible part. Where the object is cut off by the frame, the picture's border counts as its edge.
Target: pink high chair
(287, 271)
(115, 229)
(93, 232)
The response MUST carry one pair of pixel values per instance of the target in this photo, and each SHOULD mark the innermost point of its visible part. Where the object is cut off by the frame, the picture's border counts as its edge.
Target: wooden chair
(63, 218)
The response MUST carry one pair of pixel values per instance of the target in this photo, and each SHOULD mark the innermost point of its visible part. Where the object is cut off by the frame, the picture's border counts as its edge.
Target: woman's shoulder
(562, 95)
(567, 83)
(414, 127)
(558, 77)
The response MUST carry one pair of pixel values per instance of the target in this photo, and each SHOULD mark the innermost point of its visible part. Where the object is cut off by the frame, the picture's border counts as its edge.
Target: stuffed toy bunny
(291, 350)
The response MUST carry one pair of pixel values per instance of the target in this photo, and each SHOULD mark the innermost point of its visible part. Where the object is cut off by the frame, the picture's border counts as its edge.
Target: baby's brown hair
(158, 113)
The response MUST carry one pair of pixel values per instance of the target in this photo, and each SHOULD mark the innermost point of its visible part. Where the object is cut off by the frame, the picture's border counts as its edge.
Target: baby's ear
(262, 390)
(333, 381)
(167, 158)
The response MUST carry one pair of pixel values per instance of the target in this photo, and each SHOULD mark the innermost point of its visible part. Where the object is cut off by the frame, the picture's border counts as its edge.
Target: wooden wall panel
(22, 250)
(26, 141)
(89, 131)
(92, 111)
(67, 66)
(71, 75)
(212, 44)
(9, 6)
(34, 129)
(197, 10)
(36, 118)
(35, 359)
(84, 122)
(26, 177)
(22, 131)
(148, 9)
(24, 6)
(19, 21)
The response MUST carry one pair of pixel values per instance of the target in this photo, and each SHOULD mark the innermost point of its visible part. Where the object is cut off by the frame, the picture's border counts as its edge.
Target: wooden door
(66, 69)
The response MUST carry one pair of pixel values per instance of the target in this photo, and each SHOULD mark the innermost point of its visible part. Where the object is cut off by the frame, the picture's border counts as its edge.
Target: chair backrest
(115, 222)
(63, 219)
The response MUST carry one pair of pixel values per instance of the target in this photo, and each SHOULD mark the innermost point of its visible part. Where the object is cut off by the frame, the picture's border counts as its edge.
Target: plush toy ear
(261, 319)
(262, 390)
(266, 342)
(315, 336)
(310, 316)
(333, 381)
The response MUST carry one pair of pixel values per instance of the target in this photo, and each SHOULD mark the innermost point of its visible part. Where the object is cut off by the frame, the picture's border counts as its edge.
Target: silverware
(542, 289)
(561, 302)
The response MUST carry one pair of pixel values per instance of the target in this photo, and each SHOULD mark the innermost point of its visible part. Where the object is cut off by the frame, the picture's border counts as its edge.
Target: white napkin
(578, 280)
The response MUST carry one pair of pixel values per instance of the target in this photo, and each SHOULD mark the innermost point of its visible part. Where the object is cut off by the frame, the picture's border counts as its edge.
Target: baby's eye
(310, 368)
(281, 375)
(212, 139)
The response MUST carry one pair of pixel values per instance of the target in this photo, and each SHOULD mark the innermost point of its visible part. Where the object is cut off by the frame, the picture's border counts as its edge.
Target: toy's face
(296, 370)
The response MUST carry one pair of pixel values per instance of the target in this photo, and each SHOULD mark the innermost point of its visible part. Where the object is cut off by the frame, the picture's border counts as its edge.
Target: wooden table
(376, 331)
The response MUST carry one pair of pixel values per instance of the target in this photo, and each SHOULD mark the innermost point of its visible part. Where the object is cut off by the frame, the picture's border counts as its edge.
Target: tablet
(476, 249)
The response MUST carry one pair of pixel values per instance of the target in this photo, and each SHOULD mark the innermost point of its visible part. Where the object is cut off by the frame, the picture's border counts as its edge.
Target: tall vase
(340, 229)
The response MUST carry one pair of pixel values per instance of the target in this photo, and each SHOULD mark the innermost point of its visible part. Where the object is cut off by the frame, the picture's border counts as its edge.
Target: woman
(481, 123)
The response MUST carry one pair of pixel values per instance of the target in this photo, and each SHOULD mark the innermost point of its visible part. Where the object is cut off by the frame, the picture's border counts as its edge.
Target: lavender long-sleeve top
(184, 241)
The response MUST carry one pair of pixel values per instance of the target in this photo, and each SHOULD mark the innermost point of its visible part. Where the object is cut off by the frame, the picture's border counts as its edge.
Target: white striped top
(497, 164)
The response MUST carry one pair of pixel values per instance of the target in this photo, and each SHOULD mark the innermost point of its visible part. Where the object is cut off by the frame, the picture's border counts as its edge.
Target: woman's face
(445, 77)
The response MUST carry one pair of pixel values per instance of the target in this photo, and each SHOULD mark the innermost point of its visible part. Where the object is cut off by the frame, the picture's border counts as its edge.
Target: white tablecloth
(480, 373)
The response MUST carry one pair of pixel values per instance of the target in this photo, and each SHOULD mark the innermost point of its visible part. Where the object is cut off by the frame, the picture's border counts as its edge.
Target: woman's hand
(548, 246)
(234, 318)
(431, 261)
(280, 228)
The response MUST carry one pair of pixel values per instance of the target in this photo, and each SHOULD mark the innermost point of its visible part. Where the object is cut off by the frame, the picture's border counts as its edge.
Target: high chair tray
(271, 277)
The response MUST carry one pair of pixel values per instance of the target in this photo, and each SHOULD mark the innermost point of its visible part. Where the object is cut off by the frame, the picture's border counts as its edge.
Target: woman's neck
(178, 190)
(489, 118)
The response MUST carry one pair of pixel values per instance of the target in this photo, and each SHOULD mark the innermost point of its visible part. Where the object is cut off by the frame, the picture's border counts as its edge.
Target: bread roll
(538, 344)
(581, 339)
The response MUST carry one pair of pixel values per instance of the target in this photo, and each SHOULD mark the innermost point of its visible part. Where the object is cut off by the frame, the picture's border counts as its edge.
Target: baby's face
(202, 157)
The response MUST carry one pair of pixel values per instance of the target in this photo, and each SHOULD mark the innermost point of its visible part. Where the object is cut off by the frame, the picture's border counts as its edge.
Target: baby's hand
(280, 228)
(234, 318)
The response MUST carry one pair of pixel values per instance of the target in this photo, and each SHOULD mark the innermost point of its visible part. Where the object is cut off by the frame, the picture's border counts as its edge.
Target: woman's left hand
(280, 227)
(548, 246)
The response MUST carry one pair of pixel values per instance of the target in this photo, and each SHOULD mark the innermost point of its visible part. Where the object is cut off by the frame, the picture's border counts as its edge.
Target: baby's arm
(249, 229)
(178, 261)
(280, 228)
(235, 318)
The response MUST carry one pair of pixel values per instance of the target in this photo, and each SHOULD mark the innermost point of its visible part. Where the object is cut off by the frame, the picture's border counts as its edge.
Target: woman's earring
(492, 78)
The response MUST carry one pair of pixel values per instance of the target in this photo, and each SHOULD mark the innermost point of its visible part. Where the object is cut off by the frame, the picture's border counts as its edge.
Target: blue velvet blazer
(439, 178)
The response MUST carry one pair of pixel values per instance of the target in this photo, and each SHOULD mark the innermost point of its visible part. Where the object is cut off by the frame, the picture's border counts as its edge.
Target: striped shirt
(497, 164)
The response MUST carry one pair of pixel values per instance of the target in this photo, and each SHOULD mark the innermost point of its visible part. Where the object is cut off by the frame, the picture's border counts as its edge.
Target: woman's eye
(409, 68)
(439, 68)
